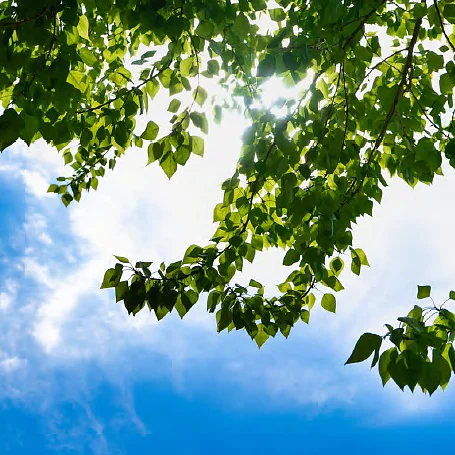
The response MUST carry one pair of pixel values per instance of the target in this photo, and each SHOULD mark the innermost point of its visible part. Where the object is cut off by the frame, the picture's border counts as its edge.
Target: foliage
(408, 362)
(375, 80)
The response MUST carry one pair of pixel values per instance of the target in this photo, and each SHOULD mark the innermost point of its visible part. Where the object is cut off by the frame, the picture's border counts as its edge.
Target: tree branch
(401, 87)
(361, 24)
(441, 21)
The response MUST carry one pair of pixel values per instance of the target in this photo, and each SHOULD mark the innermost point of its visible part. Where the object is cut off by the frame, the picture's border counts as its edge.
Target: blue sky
(81, 377)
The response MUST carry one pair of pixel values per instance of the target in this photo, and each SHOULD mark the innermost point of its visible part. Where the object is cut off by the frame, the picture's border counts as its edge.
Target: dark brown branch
(361, 25)
(24, 21)
(441, 21)
(401, 87)
(106, 103)
(346, 100)
(377, 65)
(424, 112)
(54, 37)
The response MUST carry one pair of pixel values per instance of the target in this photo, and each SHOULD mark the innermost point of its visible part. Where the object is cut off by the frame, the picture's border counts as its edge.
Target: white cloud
(10, 364)
(36, 184)
(8, 294)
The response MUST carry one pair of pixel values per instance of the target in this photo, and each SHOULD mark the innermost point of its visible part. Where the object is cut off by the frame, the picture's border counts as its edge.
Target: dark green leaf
(10, 127)
(291, 257)
(120, 290)
(423, 292)
(365, 346)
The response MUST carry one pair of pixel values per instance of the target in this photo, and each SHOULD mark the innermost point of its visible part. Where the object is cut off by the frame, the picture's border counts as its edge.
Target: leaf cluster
(374, 84)
(422, 351)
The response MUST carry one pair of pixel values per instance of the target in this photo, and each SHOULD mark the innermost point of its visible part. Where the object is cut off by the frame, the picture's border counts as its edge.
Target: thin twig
(361, 24)
(441, 21)
(400, 90)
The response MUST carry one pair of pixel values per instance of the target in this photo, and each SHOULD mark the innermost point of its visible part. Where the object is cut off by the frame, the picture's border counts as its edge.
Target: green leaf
(151, 131)
(328, 302)
(66, 199)
(255, 284)
(384, 362)
(258, 5)
(356, 265)
(10, 126)
(155, 151)
(365, 346)
(277, 14)
(423, 292)
(200, 95)
(449, 12)
(451, 354)
(223, 318)
(53, 188)
(336, 265)
(399, 372)
(305, 316)
(446, 83)
(262, 336)
(416, 325)
(186, 66)
(152, 87)
(122, 259)
(112, 277)
(77, 80)
(291, 257)
(67, 157)
(168, 164)
(30, 128)
(200, 121)
(197, 145)
(83, 26)
(267, 67)
(241, 25)
(174, 105)
(450, 149)
(452, 295)
(205, 29)
(120, 290)
(362, 256)
(430, 377)
(87, 57)
(213, 67)
(148, 54)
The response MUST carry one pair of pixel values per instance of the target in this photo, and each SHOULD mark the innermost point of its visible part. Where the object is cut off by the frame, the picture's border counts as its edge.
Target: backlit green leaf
(423, 292)
(365, 346)
(328, 302)
(151, 131)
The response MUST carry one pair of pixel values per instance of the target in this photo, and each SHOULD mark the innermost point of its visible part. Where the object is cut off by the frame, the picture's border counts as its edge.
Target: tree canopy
(375, 81)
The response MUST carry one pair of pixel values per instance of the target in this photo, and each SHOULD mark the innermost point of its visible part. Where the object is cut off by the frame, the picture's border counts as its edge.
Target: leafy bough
(373, 94)
(421, 351)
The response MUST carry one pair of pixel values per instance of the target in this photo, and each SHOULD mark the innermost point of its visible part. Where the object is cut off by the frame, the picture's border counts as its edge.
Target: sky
(80, 376)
